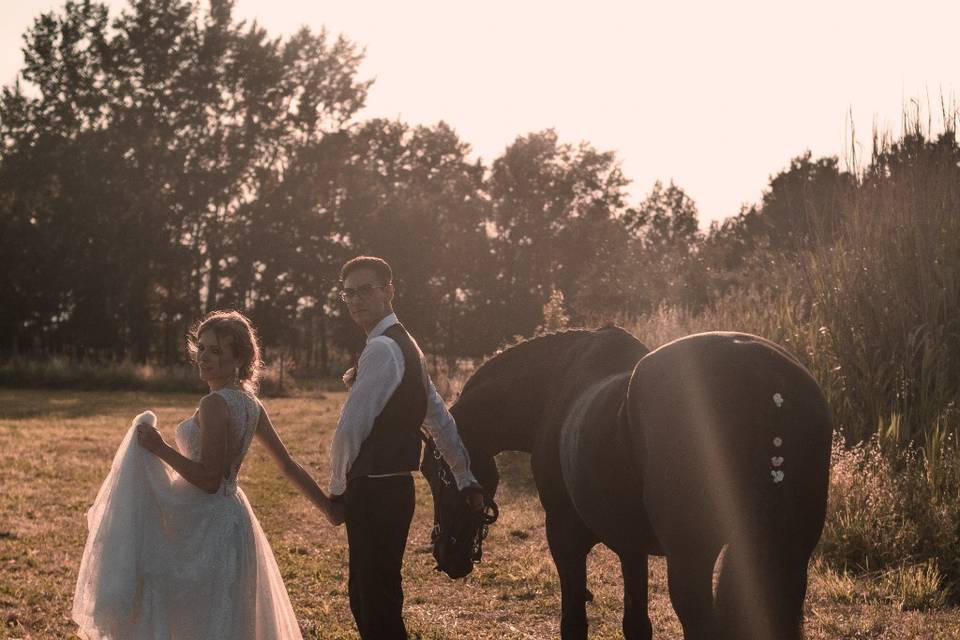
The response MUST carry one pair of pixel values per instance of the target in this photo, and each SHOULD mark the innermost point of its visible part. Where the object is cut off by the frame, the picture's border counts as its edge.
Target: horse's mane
(541, 348)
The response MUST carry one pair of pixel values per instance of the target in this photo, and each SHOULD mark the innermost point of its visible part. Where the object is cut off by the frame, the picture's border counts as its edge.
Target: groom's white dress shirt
(379, 372)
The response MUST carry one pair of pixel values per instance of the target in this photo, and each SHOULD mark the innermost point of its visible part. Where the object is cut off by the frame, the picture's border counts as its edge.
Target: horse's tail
(762, 584)
(763, 577)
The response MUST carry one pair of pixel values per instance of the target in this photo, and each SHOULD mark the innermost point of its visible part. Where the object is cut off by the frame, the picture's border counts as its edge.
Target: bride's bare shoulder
(213, 406)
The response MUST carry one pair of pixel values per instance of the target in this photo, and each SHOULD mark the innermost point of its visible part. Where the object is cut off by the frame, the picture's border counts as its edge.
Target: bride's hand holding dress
(149, 437)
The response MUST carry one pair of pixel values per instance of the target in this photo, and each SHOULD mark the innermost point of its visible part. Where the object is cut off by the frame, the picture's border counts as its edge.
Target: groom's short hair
(379, 267)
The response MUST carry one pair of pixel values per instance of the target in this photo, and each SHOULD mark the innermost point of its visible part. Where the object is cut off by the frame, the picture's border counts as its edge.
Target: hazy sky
(716, 96)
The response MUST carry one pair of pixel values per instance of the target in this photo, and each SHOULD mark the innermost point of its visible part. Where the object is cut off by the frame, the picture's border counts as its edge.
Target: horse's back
(730, 428)
(588, 387)
(600, 471)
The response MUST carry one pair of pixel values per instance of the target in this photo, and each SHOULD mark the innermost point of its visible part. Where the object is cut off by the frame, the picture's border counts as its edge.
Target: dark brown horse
(715, 440)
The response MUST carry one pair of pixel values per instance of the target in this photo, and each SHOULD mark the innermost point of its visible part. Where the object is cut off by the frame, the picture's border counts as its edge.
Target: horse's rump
(732, 432)
(734, 437)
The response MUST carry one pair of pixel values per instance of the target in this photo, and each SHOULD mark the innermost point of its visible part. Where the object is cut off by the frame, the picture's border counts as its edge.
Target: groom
(377, 445)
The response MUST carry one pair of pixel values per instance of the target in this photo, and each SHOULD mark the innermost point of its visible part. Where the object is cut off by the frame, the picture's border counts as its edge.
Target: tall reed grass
(889, 292)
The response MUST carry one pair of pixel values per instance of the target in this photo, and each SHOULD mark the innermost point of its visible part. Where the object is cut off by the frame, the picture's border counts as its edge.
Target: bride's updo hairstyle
(244, 343)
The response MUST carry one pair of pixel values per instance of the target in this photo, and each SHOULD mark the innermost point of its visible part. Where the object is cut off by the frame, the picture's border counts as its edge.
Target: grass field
(56, 447)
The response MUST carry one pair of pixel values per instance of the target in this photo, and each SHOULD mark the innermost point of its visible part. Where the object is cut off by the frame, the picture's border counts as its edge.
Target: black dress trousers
(379, 511)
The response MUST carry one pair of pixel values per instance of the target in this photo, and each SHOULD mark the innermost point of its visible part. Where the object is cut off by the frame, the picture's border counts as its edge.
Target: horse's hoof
(589, 596)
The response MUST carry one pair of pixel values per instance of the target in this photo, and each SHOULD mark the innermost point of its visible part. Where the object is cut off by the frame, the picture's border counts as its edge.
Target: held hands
(149, 438)
(336, 510)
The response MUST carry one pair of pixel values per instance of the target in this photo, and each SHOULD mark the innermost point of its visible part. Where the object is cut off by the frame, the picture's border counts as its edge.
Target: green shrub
(885, 514)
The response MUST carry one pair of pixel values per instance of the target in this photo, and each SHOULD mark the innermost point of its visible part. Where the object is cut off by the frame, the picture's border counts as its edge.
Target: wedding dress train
(165, 560)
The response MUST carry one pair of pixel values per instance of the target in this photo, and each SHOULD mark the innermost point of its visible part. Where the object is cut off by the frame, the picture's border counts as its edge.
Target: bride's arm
(295, 473)
(209, 471)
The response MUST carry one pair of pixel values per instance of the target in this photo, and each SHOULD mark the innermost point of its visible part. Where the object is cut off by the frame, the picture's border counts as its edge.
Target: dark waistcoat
(393, 445)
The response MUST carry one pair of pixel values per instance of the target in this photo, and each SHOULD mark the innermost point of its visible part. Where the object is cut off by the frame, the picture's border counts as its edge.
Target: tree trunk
(138, 318)
(324, 349)
(213, 277)
(310, 340)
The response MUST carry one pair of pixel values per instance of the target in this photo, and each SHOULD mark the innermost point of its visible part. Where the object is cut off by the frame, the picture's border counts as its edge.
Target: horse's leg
(690, 578)
(636, 620)
(570, 542)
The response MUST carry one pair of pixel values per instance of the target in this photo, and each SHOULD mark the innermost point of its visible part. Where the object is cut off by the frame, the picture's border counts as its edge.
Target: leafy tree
(555, 317)
(666, 229)
(412, 196)
(803, 209)
(804, 204)
(555, 207)
(145, 159)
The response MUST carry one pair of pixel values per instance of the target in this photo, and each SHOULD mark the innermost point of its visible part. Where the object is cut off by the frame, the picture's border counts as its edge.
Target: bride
(173, 549)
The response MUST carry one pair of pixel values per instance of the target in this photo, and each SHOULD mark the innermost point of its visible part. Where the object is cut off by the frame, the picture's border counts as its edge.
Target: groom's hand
(337, 510)
(349, 377)
(474, 496)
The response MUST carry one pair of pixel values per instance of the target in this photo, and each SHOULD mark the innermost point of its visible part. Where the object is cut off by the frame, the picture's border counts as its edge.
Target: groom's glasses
(365, 291)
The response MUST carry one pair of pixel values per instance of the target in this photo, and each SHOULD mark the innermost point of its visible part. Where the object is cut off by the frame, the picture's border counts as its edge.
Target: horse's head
(458, 529)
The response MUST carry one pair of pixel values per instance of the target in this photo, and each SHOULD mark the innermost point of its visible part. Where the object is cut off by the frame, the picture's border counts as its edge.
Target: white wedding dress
(165, 560)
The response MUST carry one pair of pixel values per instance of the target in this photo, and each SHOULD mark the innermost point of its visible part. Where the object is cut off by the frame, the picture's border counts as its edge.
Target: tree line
(171, 160)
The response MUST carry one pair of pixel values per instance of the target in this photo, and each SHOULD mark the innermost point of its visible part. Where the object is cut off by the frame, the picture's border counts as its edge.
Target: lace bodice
(244, 414)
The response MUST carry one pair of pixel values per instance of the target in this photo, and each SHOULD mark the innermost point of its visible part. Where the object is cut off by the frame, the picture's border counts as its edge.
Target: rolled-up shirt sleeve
(379, 372)
(443, 429)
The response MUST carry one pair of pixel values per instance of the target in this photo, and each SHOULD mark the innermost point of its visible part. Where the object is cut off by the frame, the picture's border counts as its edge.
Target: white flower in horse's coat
(777, 460)
(777, 441)
(777, 476)
(778, 400)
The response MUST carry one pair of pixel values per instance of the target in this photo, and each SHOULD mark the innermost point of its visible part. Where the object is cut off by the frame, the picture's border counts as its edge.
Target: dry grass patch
(56, 447)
